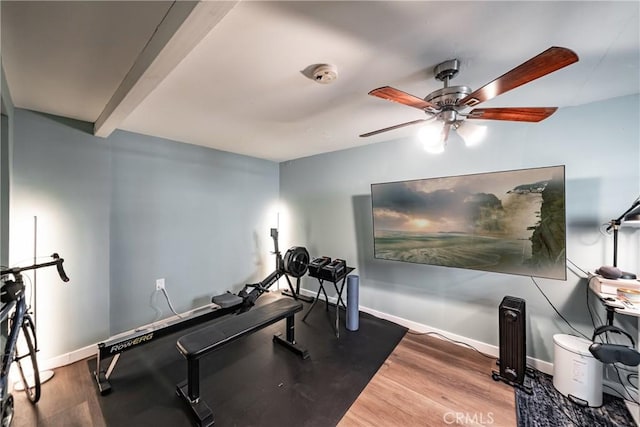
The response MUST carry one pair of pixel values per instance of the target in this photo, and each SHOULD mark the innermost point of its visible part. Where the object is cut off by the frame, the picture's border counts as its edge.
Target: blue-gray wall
(188, 214)
(6, 125)
(4, 189)
(126, 210)
(6, 131)
(328, 197)
(129, 209)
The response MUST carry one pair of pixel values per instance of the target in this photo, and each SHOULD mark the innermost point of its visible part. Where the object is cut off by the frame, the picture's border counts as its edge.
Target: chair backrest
(614, 353)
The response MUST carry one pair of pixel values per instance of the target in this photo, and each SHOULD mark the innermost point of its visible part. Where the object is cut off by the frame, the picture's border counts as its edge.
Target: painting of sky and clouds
(507, 222)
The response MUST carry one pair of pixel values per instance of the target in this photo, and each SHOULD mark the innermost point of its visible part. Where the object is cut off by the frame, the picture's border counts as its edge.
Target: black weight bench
(198, 344)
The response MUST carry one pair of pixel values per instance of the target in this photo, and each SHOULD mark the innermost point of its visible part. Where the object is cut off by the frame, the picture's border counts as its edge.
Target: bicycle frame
(16, 311)
(18, 317)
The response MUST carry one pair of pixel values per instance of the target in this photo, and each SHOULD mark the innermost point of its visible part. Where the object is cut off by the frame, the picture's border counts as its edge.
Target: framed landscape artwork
(507, 222)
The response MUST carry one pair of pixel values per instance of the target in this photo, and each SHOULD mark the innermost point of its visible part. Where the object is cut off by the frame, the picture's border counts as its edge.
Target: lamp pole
(615, 225)
(48, 374)
(35, 278)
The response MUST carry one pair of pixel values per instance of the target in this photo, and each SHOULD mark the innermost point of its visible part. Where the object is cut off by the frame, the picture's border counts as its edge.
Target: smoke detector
(325, 73)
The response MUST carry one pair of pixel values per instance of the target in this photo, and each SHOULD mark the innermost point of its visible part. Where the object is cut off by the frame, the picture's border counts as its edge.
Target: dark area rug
(252, 381)
(546, 407)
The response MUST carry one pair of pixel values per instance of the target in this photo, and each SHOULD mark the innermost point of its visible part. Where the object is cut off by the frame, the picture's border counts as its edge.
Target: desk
(610, 299)
(617, 305)
(338, 285)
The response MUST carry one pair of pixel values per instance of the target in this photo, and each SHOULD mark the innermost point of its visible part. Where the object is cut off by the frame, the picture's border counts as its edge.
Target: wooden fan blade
(375, 132)
(516, 114)
(395, 95)
(545, 63)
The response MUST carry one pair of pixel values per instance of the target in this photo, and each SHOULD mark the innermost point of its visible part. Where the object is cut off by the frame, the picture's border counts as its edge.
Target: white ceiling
(230, 75)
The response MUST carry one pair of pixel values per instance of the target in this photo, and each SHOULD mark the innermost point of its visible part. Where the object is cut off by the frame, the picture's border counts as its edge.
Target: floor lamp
(629, 217)
(48, 374)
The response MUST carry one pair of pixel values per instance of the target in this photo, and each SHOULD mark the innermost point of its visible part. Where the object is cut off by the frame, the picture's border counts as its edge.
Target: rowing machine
(294, 263)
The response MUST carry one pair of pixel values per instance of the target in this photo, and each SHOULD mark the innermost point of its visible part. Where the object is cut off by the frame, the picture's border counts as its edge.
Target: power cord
(585, 275)
(624, 385)
(166, 296)
(555, 309)
(591, 315)
(577, 267)
(590, 309)
(462, 343)
(152, 303)
(601, 322)
(631, 375)
(617, 368)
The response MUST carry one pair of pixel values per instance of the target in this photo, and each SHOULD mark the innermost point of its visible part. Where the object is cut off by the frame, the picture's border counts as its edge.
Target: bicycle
(16, 310)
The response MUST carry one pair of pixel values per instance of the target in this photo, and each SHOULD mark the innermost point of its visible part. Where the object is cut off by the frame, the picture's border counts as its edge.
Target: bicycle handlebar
(60, 268)
(57, 262)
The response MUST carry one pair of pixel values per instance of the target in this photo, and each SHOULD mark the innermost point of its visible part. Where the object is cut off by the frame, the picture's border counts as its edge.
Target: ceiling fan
(448, 104)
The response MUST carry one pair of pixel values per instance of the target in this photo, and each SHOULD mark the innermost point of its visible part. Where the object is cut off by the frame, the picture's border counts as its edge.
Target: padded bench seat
(198, 344)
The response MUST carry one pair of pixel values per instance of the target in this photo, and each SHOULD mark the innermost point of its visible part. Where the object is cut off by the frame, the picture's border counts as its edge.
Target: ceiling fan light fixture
(471, 134)
(447, 105)
(430, 136)
(448, 116)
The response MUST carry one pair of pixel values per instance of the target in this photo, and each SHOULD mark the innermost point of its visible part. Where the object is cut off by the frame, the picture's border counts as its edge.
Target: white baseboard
(615, 388)
(485, 348)
(69, 358)
(489, 349)
(492, 350)
(92, 350)
(58, 361)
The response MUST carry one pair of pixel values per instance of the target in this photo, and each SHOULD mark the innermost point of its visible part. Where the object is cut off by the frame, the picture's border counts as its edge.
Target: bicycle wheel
(28, 364)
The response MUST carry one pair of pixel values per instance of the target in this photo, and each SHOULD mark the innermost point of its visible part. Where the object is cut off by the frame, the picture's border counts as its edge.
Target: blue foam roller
(353, 313)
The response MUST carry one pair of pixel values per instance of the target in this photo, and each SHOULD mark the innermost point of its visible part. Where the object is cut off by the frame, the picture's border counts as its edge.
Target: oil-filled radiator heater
(513, 343)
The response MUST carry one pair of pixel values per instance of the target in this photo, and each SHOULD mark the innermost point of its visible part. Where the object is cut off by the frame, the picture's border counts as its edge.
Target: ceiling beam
(183, 27)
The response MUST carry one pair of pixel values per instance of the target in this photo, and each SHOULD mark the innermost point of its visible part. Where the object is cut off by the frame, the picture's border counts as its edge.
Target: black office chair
(614, 353)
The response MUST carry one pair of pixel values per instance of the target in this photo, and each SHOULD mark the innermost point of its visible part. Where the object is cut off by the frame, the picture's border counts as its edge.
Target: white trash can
(576, 373)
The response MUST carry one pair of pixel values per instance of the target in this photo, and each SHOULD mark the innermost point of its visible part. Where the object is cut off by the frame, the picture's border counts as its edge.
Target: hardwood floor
(69, 399)
(426, 381)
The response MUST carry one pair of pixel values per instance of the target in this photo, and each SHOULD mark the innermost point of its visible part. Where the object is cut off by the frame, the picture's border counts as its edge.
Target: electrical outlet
(159, 284)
